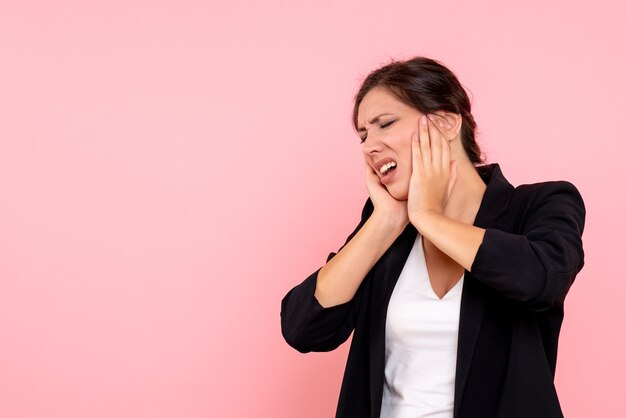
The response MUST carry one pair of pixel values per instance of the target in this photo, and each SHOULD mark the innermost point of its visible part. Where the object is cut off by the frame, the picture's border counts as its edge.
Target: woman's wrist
(392, 222)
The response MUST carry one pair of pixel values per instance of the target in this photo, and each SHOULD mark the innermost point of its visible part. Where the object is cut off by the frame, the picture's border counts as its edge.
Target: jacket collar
(494, 202)
(496, 197)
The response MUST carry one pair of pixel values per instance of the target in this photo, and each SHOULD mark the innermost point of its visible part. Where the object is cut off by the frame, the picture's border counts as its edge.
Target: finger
(441, 125)
(425, 144)
(453, 176)
(369, 171)
(438, 124)
(416, 155)
(445, 153)
(435, 143)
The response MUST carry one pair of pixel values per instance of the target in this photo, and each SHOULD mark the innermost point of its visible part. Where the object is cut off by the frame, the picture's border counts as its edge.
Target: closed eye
(363, 138)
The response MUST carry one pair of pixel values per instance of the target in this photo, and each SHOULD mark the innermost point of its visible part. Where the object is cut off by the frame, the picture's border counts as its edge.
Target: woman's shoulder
(554, 199)
(552, 189)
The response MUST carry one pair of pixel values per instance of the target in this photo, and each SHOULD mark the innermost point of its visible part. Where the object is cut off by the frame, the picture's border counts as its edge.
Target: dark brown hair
(428, 86)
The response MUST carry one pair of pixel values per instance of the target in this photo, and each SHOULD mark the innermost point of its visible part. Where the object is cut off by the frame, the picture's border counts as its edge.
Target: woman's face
(387, 124)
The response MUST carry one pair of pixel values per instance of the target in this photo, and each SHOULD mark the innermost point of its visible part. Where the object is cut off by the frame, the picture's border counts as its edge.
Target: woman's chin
(396, 194)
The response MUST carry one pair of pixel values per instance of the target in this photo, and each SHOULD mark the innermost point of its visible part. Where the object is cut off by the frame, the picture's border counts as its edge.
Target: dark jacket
(510, 315)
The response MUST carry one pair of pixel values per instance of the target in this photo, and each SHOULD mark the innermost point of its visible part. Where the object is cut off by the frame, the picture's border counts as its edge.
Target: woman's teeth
(387, 167)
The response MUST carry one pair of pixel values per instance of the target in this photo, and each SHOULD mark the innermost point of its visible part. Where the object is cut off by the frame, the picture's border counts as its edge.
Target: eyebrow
(374, 120)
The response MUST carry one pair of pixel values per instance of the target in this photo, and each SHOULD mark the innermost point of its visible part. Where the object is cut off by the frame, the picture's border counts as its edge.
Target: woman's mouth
(387, 172)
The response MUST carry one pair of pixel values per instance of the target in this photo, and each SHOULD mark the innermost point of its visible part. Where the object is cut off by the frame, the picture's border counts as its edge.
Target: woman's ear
(448, 123)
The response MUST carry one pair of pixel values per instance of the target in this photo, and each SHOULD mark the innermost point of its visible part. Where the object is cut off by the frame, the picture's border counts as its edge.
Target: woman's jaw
(398, 184)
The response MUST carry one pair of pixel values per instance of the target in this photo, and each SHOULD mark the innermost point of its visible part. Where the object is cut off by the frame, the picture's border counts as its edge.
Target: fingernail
(424, 120)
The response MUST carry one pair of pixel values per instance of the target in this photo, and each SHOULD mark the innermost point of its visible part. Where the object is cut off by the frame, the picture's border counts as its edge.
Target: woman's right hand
(385, 205)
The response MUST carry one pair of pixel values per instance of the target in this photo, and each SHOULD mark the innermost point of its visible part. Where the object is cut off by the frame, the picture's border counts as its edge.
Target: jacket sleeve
(305, 324)
(536, 268)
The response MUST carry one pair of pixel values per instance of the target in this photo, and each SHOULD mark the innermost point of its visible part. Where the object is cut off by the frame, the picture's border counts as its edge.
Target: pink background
(169, 170)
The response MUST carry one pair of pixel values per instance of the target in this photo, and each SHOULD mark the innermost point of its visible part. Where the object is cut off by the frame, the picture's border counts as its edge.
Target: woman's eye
(381, 127)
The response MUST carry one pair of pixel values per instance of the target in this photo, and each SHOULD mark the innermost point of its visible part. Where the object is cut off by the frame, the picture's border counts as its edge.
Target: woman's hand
(433, 174)
(384, 203)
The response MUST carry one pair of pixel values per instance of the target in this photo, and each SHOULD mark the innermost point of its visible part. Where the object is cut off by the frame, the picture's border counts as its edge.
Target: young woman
(454, 280)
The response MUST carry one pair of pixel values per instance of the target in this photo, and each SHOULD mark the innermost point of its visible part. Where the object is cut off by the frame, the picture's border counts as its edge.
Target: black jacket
(510, 315)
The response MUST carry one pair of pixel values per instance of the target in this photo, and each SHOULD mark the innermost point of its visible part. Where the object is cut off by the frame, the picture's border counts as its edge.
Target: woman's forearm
(458, 240)
(339, 279)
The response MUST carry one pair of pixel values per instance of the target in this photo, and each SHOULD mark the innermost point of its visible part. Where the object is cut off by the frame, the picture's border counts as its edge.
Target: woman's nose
(372, 144)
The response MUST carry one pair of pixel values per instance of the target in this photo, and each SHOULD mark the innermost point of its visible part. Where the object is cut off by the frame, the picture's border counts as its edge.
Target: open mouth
(387, 172)
(388, 168)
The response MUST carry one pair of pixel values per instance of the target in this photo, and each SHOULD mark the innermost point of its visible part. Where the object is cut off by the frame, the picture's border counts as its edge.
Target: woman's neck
(466, 195)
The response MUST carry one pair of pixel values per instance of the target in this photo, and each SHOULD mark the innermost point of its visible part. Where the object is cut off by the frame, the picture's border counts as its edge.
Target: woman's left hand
(433, 174)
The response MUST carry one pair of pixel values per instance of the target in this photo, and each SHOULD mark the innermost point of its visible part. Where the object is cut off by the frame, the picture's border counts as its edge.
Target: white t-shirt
(420, 344)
